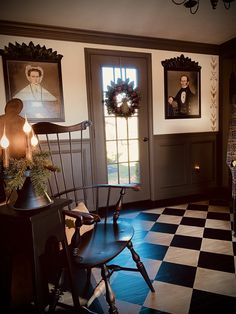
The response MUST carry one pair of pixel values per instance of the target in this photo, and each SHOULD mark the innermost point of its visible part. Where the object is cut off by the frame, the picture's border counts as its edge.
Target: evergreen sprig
(40, 169)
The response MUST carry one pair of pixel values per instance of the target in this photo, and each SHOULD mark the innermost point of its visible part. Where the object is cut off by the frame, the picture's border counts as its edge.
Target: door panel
(104, 153)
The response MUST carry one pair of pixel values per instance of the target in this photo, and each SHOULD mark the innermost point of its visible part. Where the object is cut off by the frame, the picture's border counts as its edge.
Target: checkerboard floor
(190, 255)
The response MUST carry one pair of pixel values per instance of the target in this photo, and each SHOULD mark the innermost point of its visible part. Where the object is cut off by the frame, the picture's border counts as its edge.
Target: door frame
(89, 52)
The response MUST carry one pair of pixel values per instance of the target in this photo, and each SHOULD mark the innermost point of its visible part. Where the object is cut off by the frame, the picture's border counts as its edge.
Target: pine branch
(40, 168)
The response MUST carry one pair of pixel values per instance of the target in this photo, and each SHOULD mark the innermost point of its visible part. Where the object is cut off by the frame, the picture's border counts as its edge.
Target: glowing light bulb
(34, 140)
(27, 127)
(4, 142)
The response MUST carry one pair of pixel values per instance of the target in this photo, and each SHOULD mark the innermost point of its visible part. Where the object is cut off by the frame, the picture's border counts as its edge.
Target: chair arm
(85, 218)
(132, 186)
(81, 218)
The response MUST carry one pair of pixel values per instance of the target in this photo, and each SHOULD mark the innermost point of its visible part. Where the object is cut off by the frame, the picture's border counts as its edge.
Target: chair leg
(88, 279)
(110, 297)
(140, 266)
(56, 292)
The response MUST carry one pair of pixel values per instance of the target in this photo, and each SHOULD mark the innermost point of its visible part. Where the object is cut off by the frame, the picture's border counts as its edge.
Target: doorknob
(145, 139)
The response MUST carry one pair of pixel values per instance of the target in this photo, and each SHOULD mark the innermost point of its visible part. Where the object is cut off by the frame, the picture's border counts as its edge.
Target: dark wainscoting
(176, 157)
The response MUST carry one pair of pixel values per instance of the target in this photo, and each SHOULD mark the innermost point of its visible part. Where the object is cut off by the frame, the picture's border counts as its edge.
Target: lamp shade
(28, 199)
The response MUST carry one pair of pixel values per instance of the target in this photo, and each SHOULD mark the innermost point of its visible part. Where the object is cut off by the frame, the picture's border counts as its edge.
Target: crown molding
(103, 38)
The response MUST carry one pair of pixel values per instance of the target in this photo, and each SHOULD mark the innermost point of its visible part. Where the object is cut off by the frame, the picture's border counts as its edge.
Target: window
(121, 135)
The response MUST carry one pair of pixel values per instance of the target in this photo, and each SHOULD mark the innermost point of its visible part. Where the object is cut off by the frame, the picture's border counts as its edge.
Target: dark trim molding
(104, 38)
(176, 136)
(228, 49)
(215, 196)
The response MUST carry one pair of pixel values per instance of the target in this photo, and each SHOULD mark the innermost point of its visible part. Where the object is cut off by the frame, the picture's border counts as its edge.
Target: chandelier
(193, 5)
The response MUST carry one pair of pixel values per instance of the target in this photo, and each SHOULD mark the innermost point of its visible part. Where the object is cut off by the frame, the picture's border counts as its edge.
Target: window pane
(133, 127)
(112, 171)
(107, 76)
(132, 75)
(117, 73)
(122, 151)
(111, 152)
(104, 106)
(110, 126)
(124, 172)
(134, 172)
(133, 150)
(121, 128)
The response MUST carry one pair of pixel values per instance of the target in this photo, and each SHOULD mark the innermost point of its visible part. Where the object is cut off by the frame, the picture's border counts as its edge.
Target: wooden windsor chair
(94, 241)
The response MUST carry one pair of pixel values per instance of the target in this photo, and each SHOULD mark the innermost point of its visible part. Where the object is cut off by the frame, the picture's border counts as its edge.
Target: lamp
(27, 198)
(193, 5)
(22, 171)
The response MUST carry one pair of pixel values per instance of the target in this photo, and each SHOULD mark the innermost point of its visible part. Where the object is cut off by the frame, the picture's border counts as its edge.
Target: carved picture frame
(32, 73)
(182, 88)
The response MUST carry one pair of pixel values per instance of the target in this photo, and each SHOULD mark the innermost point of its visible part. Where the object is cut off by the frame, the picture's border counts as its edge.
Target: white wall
(74, 84)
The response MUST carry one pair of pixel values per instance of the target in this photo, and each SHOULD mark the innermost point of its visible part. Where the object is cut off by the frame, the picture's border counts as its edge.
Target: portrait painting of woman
(38, 85)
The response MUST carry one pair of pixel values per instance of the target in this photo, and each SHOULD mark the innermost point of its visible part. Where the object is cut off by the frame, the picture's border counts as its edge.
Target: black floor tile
(176, 274)
(198, 207)
(217, 234)
(197, 222)
(135, 291)
(216, 261)
(147, 216)
(164, 227)
(218, 216)
(138, 224)
(186, 242)
(146, 310)
(152, 251)
(122, 258)
(173, 211)
(206, 303)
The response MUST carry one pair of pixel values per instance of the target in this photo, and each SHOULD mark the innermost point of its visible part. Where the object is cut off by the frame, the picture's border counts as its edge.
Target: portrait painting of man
(182, 94)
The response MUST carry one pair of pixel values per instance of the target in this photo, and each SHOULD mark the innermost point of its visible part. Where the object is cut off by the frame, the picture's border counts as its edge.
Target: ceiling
(152, 18)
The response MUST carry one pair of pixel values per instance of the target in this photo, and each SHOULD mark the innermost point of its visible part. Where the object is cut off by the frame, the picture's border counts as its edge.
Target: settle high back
(95, 241)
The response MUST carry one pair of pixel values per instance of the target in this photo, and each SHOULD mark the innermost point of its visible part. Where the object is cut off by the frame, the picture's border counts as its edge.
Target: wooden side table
(27, 232)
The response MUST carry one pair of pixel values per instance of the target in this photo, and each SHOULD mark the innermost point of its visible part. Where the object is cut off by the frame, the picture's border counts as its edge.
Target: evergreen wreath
(122, 98)
(40, 170)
